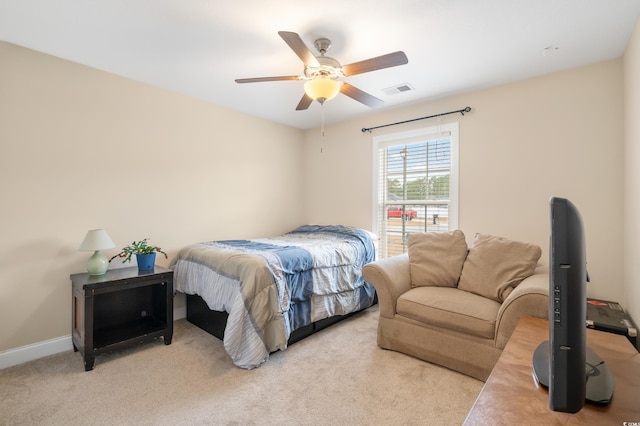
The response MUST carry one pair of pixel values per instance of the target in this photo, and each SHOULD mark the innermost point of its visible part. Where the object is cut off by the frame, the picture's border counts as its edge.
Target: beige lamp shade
(96, 240)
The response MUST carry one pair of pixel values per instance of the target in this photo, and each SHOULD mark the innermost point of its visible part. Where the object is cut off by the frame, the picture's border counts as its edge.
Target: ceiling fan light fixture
(322, 89)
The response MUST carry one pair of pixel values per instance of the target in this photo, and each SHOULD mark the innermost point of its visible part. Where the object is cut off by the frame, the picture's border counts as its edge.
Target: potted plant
(145, 254)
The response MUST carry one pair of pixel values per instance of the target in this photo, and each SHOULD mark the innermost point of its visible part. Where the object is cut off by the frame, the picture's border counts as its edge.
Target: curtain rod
(461, 111)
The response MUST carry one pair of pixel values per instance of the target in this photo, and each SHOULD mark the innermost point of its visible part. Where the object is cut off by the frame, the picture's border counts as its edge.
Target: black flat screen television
(572, 372)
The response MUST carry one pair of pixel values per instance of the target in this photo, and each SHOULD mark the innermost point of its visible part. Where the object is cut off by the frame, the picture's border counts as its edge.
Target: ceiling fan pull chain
(322, 128)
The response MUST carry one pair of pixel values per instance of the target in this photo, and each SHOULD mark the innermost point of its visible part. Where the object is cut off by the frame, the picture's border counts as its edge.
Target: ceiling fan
(324, 75)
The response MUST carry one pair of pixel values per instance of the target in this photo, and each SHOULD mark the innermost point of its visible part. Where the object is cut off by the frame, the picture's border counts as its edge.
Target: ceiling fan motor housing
(329, 67)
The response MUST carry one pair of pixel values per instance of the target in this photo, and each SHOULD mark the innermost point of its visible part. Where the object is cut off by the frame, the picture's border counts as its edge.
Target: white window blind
(416, 183)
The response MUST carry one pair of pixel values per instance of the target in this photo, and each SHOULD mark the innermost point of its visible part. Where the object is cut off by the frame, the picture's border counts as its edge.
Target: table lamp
(96, 240)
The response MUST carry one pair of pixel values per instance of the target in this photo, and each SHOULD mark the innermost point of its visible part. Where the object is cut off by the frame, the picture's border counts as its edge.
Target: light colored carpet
(339, 376)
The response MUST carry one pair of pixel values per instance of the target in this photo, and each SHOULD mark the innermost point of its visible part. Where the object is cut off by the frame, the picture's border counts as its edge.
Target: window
(415, 184)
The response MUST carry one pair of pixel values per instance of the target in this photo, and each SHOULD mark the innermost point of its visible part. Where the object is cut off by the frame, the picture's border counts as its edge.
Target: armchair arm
(529, 298)
(391, 278)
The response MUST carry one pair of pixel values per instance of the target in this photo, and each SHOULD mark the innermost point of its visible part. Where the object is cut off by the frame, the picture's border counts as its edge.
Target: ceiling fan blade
(304, 103)
(297, 45)
(259, 79)
(379, 62)
(360, 96)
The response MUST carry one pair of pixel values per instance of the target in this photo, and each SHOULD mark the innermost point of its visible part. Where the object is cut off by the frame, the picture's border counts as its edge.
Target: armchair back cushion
(496, 265)
(436, 258)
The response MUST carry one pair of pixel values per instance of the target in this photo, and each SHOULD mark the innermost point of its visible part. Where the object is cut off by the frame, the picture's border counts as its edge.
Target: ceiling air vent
(400, 88)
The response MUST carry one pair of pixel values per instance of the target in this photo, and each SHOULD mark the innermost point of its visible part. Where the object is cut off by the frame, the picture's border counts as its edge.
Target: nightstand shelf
(119, 308)
(125, 333)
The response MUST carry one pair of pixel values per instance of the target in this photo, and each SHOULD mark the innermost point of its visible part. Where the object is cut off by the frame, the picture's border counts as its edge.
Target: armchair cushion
(496, 265)
(436, 258)
(452, 309)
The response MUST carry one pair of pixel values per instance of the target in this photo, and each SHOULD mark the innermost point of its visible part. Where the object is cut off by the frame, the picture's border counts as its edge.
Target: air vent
(552, 50)
(400, 88)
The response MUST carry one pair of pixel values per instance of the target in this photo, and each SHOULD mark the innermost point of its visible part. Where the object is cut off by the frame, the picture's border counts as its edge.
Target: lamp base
(97, 264)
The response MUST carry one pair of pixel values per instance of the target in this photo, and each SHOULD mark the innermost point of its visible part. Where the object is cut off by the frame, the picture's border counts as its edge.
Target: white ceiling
(198, 47)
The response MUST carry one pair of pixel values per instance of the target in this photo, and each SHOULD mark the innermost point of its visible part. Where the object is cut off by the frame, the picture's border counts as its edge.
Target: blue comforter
(272, 286)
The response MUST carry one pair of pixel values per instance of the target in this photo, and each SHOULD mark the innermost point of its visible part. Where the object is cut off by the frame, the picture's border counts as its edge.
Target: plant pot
(146, 262)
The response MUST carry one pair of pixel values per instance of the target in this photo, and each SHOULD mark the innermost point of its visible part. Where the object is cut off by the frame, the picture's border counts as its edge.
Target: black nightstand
(121, 307)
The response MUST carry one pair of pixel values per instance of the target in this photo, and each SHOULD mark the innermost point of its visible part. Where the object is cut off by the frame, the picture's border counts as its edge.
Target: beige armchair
(448, 326)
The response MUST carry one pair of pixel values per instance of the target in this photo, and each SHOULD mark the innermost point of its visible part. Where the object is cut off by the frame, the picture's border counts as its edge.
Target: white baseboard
(179, 313)
(34, 351)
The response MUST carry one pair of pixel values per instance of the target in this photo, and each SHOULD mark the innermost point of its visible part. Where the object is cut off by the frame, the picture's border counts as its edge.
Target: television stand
(511, 396)
(599, 378)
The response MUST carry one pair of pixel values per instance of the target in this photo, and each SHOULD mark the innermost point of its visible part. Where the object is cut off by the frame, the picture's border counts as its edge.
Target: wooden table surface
(512, 396)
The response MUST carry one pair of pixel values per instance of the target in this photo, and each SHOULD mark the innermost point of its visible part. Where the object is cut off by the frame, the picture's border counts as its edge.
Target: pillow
(495, 266)
(436, 258)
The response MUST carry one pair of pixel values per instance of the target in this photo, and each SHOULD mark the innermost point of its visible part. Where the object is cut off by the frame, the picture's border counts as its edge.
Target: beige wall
(85, 149)
(632, 175)
(556, 135)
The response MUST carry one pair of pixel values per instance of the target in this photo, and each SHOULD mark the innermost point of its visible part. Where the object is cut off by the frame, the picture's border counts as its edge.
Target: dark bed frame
(214, 322)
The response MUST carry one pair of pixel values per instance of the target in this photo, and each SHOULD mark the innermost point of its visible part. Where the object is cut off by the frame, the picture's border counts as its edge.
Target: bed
(261, 294)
